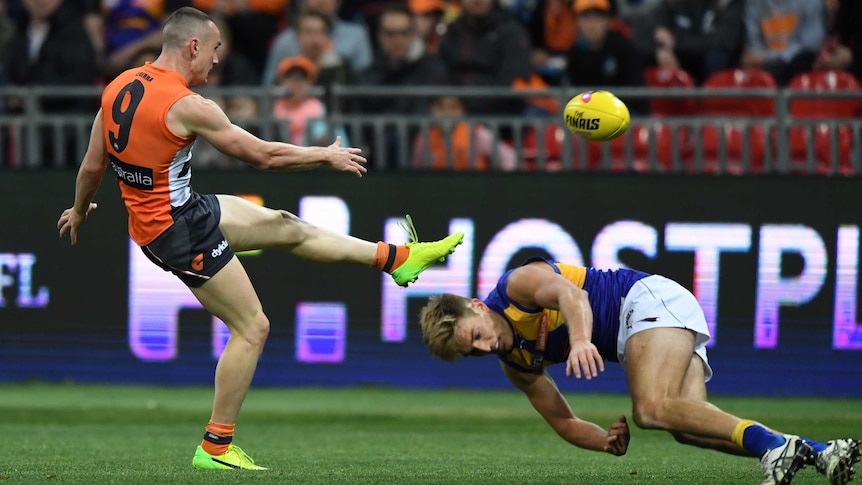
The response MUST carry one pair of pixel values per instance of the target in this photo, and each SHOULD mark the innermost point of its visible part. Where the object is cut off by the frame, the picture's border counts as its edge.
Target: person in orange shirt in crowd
(471, 149)
(303, 112)
(552, 32)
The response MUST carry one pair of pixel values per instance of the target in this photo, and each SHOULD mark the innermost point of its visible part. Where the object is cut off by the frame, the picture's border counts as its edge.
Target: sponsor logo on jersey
(578, 122)
(220, 249)
(132, 175)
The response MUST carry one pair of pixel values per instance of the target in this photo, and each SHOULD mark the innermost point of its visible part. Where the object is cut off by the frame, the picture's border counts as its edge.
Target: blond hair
(439, 319)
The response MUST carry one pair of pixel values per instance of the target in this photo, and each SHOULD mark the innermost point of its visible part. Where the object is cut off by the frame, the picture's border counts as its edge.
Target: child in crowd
(305, 114)
(434, 152)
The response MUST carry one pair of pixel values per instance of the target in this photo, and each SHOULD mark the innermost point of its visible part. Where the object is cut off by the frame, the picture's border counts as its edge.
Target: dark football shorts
(193, 248)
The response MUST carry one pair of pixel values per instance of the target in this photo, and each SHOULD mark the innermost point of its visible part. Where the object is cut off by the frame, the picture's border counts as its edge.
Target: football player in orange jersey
(145, 129)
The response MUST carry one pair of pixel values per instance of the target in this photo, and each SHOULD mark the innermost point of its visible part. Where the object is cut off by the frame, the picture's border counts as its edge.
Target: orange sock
(217, 438)
(389, 256)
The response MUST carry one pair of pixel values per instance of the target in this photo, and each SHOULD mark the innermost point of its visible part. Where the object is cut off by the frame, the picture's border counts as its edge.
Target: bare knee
(648, 414)
(255, 331)
(295, 230)
(290, 220)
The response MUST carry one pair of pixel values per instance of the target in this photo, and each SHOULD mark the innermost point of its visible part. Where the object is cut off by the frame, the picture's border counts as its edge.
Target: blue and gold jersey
(541, 336)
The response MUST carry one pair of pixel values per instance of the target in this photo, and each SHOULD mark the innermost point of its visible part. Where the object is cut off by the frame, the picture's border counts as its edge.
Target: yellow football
(597, 116)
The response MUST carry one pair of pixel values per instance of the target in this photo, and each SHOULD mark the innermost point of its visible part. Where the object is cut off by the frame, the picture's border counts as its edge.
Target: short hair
(315, 14)
(183, 24)
(439, 319)
(397, 9)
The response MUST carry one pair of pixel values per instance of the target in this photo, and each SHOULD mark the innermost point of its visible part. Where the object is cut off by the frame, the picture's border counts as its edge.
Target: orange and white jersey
(153, 165)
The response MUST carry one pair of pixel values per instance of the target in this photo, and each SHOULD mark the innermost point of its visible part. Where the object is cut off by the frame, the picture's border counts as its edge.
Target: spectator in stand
(552, 33)
(845, 50)
(128, 27)
(365, 13)
(304, 113)
(700, 37)
(640, 19)
(253, 23)
(349, 40)
(89, 11)
(313, 35)
(487, 46)
(429, 19)
(400, 61)
(434, 152)
(783, 36)
(49, 49)
(603, 57)
(296, 75)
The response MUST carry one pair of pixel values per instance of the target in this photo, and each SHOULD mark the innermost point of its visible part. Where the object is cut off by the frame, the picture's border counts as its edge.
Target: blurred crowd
(303, 44)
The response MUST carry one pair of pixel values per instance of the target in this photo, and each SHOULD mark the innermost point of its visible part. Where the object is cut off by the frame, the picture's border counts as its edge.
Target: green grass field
(139, 435)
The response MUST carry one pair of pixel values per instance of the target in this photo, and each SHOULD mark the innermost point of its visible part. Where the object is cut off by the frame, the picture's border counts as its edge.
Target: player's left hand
(584, 358)
(71, 220)
(618, 437)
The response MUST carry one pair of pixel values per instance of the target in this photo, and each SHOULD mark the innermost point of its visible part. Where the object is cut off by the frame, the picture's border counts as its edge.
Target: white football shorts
(656, 301)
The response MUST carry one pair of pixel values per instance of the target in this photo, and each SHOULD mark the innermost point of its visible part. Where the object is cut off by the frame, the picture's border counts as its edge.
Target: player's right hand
(584, 358)
(71, 220)
(346, 159)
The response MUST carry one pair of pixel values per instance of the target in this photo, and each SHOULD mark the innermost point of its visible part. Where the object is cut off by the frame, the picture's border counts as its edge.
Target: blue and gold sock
(755, 438)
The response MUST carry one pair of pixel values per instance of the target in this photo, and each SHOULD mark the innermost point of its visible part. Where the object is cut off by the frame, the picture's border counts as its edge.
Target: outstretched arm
(89, 178)
(538, 285)
(550, 403)
(197, 115)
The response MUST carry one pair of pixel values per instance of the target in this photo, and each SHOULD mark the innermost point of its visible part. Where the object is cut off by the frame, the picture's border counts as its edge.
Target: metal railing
(697, 143)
